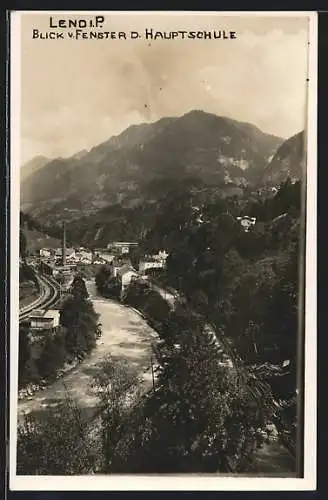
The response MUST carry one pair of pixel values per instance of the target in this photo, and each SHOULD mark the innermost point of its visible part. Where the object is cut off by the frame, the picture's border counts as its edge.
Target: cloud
(76, 94)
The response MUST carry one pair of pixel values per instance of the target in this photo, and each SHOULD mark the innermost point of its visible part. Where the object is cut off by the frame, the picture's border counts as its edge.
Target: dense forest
(245, 283)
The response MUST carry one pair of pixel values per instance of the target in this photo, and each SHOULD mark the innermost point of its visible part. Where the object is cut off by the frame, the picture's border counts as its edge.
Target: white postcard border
(172, 482)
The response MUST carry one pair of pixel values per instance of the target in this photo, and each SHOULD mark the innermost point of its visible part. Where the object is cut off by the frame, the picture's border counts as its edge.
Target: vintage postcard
(163, 242)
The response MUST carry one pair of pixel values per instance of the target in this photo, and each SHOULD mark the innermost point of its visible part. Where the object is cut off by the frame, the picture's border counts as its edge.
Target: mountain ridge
(197, 145)
(288, 161)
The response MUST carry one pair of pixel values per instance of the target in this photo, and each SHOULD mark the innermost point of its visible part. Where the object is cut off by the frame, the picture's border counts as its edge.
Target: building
(86, 261)
(155, 261)
(64, 273)
(41, 319)
(246, 222)
(126, 274)
(118, 263)
(45, 253)
(161, 255)
(151, 264)
(122, 247)
(99, 260)
(105, 256)
(69, 254)
(83, 255)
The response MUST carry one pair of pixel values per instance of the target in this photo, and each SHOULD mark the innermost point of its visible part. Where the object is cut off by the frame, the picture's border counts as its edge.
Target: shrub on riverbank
(107, 284)
(143, 297)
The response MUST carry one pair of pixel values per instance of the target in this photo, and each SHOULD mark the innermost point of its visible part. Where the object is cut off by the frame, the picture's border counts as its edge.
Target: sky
(76, 94)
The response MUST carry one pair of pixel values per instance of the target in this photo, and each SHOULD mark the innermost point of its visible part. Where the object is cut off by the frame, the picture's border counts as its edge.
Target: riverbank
(125, 336)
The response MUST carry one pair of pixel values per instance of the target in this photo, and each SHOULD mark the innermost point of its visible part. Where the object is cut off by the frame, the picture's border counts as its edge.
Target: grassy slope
(37, 240)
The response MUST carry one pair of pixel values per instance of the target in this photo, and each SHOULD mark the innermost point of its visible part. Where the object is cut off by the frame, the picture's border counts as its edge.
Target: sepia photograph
(163, 212)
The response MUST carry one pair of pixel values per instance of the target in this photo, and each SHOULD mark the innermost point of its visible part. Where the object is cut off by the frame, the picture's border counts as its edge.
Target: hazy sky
(77, 93)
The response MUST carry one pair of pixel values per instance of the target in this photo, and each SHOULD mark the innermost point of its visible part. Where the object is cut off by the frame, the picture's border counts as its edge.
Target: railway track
(49, 295)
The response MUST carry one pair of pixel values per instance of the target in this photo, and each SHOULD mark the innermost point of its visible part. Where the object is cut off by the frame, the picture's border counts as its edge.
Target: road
(126, 336)
(168, 296)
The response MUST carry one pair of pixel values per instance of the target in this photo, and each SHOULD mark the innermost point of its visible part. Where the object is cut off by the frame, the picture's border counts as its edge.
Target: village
(63, 264)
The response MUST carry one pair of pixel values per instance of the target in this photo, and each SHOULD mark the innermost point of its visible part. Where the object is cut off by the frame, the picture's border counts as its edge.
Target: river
(125, 336)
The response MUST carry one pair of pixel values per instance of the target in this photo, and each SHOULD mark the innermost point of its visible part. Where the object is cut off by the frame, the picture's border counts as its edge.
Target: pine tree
(79, 319)
(78, 288)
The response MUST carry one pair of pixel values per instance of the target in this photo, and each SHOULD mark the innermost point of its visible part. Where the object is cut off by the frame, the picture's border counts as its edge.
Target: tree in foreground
(107, 284)
(204, 416)
(78, 288)
(119, 390)
(57, 443)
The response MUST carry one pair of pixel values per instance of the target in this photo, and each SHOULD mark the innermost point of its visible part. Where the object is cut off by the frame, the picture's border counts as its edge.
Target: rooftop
(123, 243)
(42, 313)
(51, 313)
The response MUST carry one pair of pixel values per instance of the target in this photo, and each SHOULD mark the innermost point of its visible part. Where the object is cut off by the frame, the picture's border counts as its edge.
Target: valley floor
(126, 336)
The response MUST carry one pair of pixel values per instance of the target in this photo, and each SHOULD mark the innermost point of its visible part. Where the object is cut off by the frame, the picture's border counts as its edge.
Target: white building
(246, 222)
(98, 260)
(44, 320)
(45, 253)
(82, 254)
(127, 277)
(122, 247)
(151, 264)
(70, 253)
(106, 256)
(162, 255)
(126, 274)
(86, 261)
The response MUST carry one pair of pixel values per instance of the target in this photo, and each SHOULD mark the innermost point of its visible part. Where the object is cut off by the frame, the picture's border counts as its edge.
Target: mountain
(288, 161)
(32, 166)
(198, 147)
(80, 154)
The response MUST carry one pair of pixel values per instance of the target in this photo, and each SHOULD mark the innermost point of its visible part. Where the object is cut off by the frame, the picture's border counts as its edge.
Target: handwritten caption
(86, 29)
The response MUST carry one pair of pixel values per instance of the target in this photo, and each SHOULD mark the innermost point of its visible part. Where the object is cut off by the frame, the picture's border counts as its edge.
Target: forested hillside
(246, 283)
(136, 166)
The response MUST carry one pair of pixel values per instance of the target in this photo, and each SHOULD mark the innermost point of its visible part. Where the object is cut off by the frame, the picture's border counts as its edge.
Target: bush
(107, 284)
(53, 356)
(56, 443)
(81, 321)
(156, 307)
